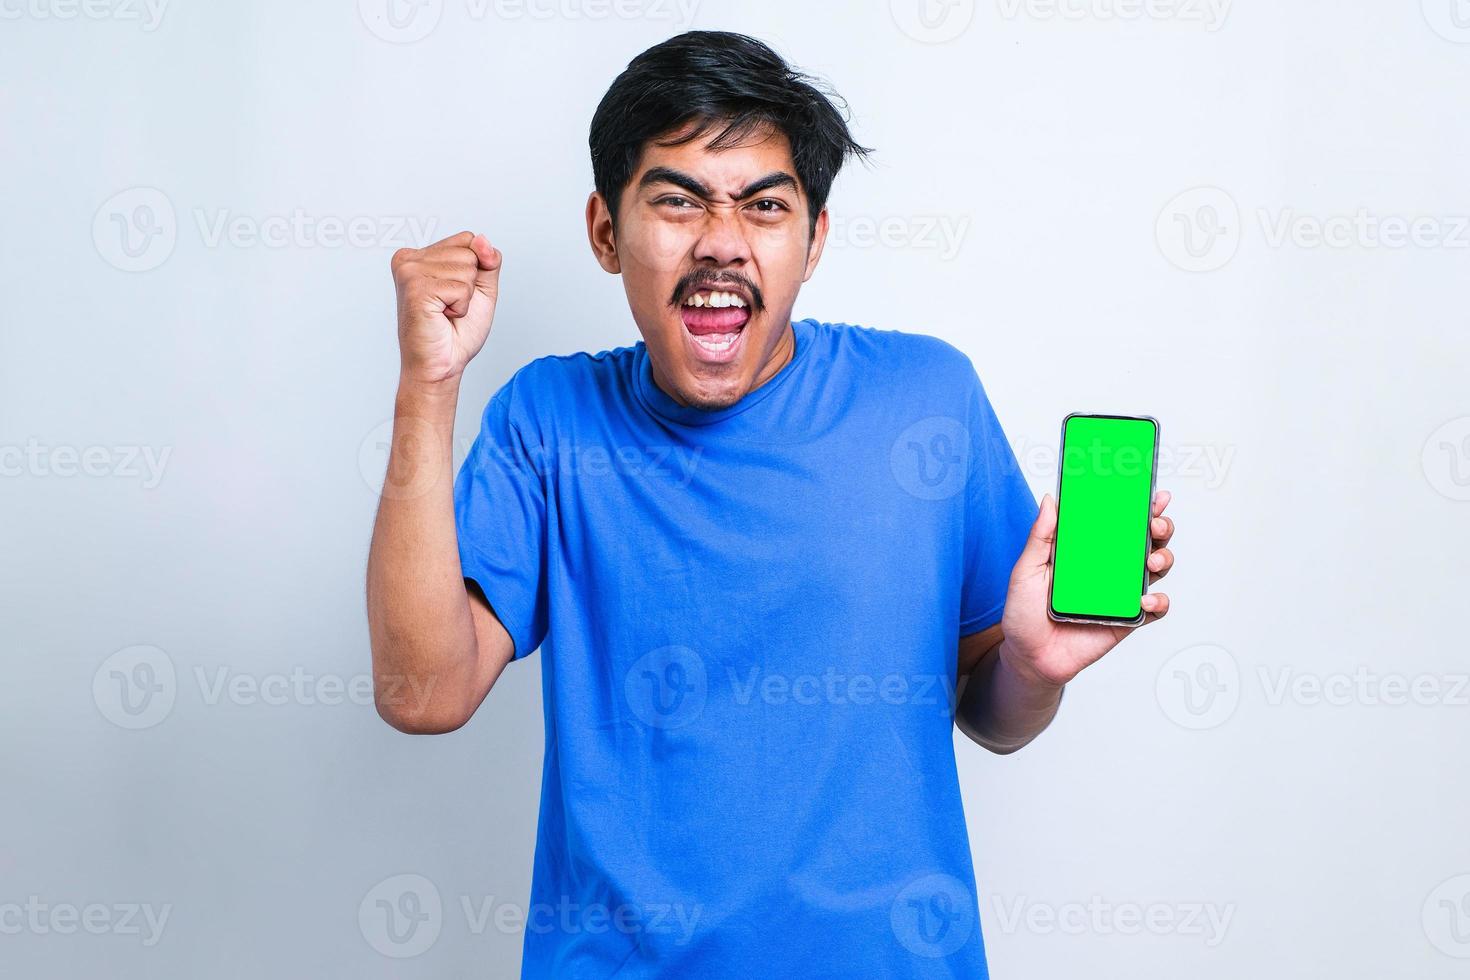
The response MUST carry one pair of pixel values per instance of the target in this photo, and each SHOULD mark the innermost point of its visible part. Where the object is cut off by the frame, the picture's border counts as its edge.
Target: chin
(712, 395)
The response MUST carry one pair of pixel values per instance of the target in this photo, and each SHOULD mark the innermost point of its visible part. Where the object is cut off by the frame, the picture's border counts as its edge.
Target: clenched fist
(446, 302)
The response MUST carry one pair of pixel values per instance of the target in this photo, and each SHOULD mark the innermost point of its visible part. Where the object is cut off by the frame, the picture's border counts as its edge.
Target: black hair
(717, 78)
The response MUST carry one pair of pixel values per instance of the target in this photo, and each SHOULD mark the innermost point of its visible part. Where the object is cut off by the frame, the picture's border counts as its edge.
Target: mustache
(715, 280)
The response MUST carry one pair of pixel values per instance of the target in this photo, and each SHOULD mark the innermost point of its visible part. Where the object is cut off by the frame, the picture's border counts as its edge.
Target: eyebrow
(668, 175)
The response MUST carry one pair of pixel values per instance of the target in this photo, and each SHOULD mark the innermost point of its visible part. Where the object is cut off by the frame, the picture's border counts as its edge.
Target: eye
(770, 205)
(675, 202)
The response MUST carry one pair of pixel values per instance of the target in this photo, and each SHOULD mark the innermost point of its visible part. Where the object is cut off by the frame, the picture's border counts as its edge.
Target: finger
(1037, 552)
(453, 263)
(1155, 605)
(455, 295)
(488, 259)
(1160, 562)
(1161, 529)
(461, 240)
(1161, 500)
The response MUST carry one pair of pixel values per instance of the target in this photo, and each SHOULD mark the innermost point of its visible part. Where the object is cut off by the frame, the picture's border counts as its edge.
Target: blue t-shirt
(749, 623)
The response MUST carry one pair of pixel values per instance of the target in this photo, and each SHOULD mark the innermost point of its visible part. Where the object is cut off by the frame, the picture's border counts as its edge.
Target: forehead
(765, 150)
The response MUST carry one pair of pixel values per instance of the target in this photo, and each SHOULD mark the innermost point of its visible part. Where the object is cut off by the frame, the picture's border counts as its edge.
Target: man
(756, 554)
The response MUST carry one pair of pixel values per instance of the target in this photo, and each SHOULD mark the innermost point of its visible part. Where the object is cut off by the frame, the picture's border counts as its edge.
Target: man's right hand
(446, 302)
(437, 648)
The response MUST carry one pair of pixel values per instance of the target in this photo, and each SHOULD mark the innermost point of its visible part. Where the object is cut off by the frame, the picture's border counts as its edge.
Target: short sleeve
(500, 515)
(999, 512)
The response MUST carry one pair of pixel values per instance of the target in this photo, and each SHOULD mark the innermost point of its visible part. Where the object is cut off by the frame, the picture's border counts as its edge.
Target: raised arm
(437, 646)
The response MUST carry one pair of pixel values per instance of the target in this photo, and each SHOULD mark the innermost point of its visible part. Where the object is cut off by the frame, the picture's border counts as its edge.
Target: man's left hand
(1049, 653)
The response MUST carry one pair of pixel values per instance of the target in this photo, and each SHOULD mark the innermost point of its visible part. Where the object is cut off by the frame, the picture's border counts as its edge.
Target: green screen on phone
(1102, 516)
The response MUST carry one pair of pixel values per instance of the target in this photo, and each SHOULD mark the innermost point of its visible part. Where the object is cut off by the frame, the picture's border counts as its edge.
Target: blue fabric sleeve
(500, 514)
(999, 512)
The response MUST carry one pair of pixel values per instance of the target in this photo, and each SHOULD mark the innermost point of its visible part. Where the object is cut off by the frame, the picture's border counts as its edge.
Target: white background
(1108, 205)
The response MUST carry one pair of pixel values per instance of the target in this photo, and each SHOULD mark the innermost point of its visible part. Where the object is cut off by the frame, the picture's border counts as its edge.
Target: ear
(600, 234)
(814, 247)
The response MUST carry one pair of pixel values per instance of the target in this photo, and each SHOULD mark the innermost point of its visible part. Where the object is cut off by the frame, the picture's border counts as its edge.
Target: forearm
(1003, 710)
(419, 621)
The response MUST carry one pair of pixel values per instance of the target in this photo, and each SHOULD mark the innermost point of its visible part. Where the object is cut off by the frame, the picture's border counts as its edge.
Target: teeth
(716, 341)
(715, 298)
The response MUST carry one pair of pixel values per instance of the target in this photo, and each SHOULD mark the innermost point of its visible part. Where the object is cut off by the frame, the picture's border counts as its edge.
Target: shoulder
(902, 355)
(556, 383)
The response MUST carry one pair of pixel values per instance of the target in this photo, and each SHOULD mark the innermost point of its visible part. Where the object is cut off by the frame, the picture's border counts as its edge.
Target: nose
(722, 240)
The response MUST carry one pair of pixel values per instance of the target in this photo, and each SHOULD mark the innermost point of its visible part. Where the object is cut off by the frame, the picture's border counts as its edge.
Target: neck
(781, 355)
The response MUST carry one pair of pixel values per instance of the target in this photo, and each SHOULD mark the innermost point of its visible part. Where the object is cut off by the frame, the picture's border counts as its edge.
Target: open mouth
(714, 321)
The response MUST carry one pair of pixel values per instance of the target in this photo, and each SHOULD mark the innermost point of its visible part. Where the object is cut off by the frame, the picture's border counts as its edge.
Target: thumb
(1037, 551)
(487, 277)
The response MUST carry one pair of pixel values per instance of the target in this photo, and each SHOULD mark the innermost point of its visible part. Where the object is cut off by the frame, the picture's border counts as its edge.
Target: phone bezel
(1153, 478)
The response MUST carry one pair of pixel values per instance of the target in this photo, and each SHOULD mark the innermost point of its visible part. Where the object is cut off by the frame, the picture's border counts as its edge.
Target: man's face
(713, 246)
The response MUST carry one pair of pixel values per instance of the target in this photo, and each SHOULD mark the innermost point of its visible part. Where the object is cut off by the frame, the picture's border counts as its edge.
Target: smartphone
(1105, 492)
